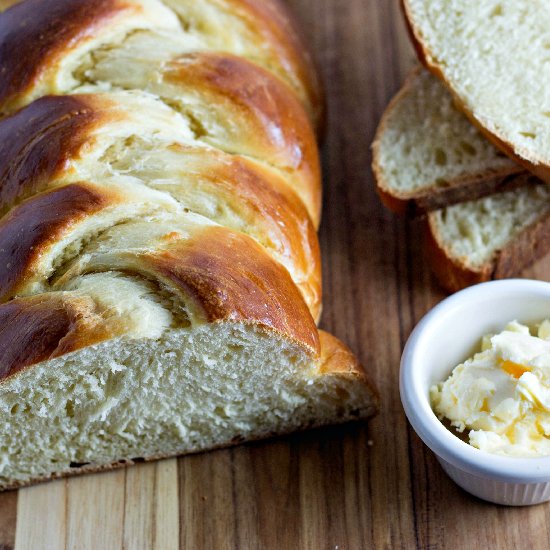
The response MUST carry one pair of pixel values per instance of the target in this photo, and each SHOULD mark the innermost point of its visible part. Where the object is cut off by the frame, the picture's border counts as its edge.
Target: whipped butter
(502, 394)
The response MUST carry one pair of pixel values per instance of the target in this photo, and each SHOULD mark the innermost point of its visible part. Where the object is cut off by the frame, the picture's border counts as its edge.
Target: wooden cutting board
(342, 488)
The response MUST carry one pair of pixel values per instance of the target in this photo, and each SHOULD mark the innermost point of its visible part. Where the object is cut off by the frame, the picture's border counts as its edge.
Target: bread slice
(427, 155)
(493, 55)
(490, 238)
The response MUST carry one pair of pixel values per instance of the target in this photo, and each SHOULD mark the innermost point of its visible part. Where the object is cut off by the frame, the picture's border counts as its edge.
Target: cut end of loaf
(189, 390)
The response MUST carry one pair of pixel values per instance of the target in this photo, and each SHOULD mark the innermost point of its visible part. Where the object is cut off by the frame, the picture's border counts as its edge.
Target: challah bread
(427, 155)
(490, 238)
(493, 56)
(157, 228)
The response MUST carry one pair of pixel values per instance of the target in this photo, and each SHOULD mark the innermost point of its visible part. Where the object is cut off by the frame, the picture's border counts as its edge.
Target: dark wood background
(342, 488)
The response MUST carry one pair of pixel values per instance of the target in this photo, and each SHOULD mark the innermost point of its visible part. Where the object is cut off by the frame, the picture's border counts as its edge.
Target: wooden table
(341, 488)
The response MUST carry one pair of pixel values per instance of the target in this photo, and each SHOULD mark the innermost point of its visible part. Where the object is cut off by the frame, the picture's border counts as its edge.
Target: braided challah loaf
(159, 265)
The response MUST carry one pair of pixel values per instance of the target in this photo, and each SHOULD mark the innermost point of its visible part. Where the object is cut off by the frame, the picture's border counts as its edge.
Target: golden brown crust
(338, 360)
(267, 201)
(40, 32)
(280, 28)
(38, 142)
(453, 274)
(46, 326)
(41, 145)
(271, 122)
(275, 122)
(32, 228)
(540, 170)
(230, 278)
(52, 28)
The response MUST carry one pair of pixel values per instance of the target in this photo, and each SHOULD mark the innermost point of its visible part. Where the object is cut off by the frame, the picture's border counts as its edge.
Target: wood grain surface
(342, 488)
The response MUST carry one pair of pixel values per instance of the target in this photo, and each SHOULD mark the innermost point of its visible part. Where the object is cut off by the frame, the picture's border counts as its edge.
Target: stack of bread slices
(466, 142)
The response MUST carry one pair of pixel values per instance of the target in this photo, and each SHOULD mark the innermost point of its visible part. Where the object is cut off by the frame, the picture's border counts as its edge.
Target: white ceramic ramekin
(445, 337)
